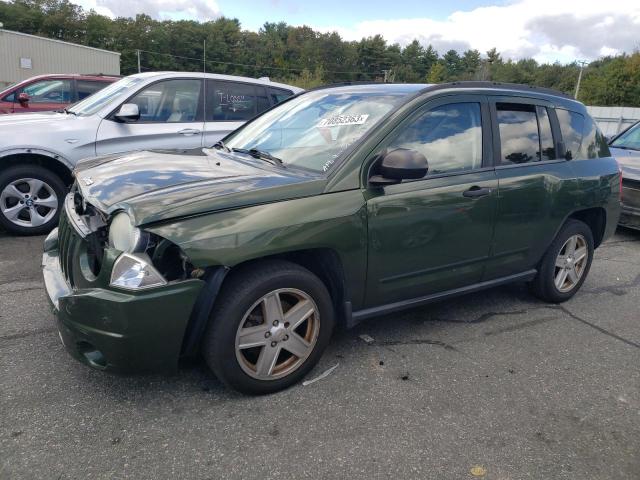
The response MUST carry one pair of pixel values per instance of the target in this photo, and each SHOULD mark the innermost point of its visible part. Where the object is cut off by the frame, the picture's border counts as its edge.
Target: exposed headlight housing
(124, 236)
(135, 272)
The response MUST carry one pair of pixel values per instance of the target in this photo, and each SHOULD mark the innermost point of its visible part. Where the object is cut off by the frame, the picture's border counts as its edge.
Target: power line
(255, 66)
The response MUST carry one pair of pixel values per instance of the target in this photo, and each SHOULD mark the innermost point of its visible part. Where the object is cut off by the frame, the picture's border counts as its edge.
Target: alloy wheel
(571, 263)
(28, 202)
(277, 334)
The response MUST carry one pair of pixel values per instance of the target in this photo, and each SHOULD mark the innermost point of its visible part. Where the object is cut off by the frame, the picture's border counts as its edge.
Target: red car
(50, 92)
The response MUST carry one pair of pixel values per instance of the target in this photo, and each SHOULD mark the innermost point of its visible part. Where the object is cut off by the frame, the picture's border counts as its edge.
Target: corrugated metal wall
(18, 51)
(613, 120)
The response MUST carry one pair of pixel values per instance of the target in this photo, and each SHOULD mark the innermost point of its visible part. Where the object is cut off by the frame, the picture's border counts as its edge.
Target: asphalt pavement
(494, 385)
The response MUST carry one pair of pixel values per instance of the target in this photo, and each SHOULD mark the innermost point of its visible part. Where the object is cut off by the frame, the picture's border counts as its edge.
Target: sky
(547, 30)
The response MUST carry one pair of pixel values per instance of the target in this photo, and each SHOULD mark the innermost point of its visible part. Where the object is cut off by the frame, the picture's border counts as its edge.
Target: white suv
(155, 110)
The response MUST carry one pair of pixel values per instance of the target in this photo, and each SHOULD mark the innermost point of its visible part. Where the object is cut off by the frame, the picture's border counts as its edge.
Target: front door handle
(476, 191)
(187, 132)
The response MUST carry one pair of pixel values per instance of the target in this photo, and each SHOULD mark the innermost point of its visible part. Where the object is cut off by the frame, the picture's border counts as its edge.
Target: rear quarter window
(582, 137)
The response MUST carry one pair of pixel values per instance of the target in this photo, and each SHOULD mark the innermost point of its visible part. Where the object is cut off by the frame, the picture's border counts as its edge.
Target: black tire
(238, 294)
(543, 285)
(36, 172)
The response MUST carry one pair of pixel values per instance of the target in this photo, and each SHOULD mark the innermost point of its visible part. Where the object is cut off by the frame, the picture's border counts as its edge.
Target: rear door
(231, 104)
(434, 234)
(535, 185)
(171, 117)
(86, 88)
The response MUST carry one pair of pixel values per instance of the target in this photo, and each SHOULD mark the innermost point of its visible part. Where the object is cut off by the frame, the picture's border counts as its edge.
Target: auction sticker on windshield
(340, 120)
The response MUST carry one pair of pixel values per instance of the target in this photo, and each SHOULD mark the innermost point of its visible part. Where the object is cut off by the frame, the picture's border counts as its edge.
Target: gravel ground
(494, 385)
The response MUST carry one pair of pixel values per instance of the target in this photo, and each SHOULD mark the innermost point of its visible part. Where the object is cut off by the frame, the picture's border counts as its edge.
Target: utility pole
(204, 56)
(139, 69)
(582, 64)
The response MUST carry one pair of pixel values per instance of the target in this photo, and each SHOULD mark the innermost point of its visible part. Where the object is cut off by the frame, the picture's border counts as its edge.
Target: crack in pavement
(618, 290)
(39, 331)
(596, 327)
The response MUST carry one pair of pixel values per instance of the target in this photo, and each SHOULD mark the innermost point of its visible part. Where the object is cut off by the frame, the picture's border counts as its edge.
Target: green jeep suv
(337, 205)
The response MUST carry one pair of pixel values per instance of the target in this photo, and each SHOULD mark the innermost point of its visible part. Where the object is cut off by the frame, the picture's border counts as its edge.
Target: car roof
(216, 76)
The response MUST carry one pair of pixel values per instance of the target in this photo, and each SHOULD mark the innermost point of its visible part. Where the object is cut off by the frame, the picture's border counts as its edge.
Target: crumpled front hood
(629, 161)
(158, 185)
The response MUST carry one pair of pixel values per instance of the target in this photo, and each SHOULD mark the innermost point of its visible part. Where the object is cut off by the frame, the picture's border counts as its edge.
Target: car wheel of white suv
(30, 199)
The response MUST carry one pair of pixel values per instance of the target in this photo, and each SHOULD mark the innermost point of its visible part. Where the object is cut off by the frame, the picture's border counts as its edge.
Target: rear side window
(571, 127)
(519, 134)
(231, 101)
(450, 136)
(278, 94)
(86, 88)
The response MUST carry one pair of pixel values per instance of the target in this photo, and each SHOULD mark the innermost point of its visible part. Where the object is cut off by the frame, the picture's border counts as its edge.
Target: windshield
(314, 130)
(629, 139)
(95, 102)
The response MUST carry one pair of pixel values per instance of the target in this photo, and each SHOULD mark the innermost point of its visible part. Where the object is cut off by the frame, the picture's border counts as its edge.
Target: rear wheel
(30, 199)
(269, 327)
(566, 263)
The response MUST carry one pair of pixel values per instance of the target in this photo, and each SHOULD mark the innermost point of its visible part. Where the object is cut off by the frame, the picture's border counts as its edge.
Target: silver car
(155, 110)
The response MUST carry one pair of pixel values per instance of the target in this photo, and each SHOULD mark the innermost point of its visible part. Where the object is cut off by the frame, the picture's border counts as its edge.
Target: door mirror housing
(397, 165)
(23, 98)
(128, 113)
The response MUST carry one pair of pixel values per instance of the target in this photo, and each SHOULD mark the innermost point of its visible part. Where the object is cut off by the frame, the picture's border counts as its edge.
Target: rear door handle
(475, 192)
(187, 132)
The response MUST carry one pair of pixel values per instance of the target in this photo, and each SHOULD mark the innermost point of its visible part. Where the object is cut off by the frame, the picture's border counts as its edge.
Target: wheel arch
(43, 158)
(325, 263)
(595, 218)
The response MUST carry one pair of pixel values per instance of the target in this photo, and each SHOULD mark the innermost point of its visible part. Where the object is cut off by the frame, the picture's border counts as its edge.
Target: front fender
(335, 221)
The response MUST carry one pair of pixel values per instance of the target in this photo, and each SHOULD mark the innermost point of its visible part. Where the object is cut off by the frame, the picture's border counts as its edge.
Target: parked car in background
(338, 205)
(51, 92)
(154, 110)
(625, 147)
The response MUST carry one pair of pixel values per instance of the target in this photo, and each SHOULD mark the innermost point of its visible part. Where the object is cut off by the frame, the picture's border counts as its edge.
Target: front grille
(631, 192)
(68, 244)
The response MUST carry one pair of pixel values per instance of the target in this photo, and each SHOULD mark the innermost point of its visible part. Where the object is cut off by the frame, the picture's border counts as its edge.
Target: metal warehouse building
(23, 56)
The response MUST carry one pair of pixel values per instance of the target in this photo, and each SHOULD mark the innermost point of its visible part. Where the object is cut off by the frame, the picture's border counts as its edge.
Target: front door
(43, 95)
(171, 117)
(434, 234)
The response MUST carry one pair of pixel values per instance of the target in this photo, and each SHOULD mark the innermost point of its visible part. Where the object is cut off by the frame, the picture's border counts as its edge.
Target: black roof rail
(502, 85)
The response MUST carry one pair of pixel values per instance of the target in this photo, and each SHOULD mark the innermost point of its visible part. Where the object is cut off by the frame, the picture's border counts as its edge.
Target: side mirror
(23, 98)
(128, 112)
(399, 164)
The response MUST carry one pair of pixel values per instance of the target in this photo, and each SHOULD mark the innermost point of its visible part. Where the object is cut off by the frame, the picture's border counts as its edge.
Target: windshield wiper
(220, 145)
(260, 154)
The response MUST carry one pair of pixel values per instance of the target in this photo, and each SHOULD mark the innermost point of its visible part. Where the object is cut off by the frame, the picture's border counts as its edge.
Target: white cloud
(201, 10)
(547, 30)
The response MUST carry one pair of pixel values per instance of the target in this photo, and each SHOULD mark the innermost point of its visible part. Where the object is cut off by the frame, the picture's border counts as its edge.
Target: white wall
(613, 120)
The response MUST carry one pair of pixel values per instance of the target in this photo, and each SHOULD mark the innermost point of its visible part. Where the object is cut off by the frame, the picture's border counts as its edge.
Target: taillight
(620, 183)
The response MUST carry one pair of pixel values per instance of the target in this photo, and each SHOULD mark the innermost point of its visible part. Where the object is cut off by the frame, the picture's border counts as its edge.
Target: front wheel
(30, 199)
(269, 327)
(566, 263)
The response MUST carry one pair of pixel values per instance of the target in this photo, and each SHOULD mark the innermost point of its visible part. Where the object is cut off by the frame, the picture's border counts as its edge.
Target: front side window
(49, 91)
(87, 88)
(315, 130)
(629, 139)
(169, 101)
(450, 136)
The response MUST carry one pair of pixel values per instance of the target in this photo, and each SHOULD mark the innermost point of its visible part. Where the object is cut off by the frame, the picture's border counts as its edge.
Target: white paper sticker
(340, 120)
